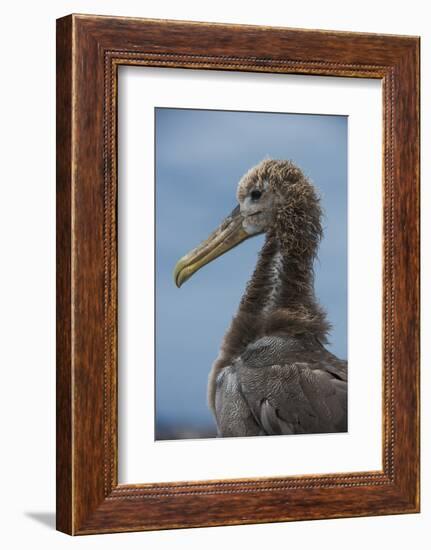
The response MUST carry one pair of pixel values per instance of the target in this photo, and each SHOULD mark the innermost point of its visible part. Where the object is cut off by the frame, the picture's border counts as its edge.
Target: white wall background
(27, 280)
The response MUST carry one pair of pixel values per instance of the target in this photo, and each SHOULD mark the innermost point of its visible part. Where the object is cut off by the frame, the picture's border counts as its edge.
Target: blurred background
(200, 157)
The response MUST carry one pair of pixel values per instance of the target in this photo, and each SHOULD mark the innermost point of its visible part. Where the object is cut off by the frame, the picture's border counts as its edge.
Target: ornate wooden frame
(89, 51)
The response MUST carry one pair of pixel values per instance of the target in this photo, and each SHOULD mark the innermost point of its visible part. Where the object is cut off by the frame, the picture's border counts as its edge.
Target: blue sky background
(200, 157)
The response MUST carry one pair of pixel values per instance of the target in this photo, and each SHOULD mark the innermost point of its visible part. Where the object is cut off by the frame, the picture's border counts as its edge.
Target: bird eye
(255, 194)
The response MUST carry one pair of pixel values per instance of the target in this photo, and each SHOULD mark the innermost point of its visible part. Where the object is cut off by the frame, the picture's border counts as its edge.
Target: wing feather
(277, 388)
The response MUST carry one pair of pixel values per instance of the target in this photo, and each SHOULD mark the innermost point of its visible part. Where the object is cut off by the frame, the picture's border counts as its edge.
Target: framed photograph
(237, 274)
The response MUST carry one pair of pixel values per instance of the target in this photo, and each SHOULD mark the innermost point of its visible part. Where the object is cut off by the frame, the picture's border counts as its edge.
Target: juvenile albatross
(273, 374)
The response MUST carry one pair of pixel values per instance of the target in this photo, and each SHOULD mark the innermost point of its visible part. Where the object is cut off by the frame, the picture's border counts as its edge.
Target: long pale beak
(229, 233)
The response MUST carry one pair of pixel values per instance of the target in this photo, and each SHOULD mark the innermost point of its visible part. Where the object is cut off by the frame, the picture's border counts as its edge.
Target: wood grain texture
(64, 496)
(90, 49)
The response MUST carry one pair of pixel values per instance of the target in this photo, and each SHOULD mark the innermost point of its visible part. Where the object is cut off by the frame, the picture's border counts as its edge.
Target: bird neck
(281, 291)
(280, 280)
(279, 300)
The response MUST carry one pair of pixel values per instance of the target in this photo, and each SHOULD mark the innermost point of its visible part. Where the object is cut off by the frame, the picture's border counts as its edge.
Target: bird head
(274, 197)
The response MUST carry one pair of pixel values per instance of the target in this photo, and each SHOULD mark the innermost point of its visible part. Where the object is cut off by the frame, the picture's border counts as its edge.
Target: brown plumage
(273, 374)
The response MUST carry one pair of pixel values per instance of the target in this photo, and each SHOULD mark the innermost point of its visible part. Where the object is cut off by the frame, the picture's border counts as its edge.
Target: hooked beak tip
(178, 278)
(226, 236)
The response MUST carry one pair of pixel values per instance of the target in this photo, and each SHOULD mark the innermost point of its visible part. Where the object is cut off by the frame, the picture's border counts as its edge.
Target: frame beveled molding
(89, 51)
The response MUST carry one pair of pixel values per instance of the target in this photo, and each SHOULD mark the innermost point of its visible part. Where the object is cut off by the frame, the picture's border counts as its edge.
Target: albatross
(273, 374)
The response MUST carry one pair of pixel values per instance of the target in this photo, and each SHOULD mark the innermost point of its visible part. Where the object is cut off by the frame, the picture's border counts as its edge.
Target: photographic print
(251, 273)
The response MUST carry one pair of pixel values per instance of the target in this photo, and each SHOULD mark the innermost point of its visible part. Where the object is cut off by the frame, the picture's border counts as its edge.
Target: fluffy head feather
(287, 207)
